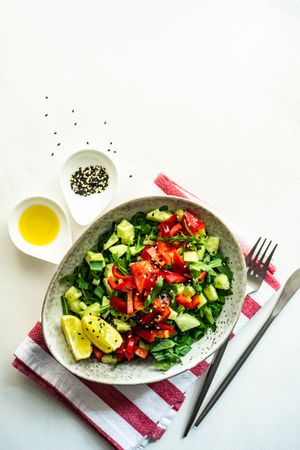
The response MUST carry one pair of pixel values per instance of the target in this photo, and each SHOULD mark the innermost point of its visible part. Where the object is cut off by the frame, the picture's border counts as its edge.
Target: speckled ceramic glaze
(136, 372)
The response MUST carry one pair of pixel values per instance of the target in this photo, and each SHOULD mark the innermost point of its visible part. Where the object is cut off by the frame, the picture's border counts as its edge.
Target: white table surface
(207, 92)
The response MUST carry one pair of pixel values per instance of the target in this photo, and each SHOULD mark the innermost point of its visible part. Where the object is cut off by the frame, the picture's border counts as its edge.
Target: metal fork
(257, 269)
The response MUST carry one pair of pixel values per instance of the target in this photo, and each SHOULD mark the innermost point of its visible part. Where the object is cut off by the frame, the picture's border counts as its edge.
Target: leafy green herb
(97, 266)
(64, 305)
(154, 293)
(163, 345)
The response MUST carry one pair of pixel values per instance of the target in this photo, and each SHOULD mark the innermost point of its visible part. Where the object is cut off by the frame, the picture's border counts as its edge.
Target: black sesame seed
(46, 115)
(110, 143)
(115, 151)
(58, 144)
(130, 176)
(87, 143)
(52, 154)
(105, 123)
(55, 132)
(73, 110)
(75, 124)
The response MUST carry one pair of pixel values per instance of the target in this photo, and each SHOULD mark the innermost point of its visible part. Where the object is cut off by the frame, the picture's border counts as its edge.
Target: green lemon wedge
(101, 333)
(79, 344)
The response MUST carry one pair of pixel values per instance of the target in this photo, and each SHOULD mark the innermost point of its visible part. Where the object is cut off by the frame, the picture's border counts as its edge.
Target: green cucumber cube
(221, 281)
(210, 293)
(125, 231)
(186, 322)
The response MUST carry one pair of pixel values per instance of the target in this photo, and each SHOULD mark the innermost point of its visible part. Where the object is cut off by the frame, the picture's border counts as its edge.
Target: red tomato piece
(119, 304)
(123, 285)
(202, 275)
(118, 275)
(155, 256)
(179, 264)
(172, 277)
(191, 222)
(148, 335)
(98, 353)
(171, 221)
(138, 302)
(174, 230)
(130, 308)
(142, 352)
(167, 327)
(187, 301)
(144, 275)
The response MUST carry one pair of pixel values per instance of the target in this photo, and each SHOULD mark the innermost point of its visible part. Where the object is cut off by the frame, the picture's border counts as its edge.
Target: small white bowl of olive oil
(39, 227)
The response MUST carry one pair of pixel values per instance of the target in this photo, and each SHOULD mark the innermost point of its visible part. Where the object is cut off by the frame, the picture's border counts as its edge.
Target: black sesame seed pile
(89, 180)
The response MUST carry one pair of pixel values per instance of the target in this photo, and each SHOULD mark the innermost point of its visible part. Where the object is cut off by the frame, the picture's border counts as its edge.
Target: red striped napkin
(127, 416)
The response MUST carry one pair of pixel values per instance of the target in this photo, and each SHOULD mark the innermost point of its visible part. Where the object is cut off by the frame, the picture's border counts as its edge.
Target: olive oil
(39, 225)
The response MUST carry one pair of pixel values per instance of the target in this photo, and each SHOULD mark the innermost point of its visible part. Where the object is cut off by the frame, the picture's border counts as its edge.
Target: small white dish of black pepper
(88, 180)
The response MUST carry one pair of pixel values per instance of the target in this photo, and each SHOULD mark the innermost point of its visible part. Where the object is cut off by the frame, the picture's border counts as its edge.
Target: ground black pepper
(89, 180)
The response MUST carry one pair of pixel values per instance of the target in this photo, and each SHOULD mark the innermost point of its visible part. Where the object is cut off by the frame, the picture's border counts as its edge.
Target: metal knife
(291, 286)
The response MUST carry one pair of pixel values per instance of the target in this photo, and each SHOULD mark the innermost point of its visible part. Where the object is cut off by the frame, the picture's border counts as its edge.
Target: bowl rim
(160, 376)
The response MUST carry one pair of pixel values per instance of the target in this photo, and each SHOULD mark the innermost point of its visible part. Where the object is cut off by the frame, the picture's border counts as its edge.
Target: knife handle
(234, 369)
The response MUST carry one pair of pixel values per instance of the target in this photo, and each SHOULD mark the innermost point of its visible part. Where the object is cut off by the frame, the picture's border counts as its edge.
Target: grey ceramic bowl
(137, 372)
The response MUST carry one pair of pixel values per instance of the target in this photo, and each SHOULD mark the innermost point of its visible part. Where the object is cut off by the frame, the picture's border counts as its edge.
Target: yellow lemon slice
(101, 333)
(79, 344)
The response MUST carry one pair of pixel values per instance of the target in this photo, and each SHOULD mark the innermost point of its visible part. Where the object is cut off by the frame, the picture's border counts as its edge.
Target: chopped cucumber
(189, 291)
(190, 256)
(109, 290)
(210, 293)
(118, 250)
(111, 241)
(95, 260)
(105, 301)
(121, 326)
(148, 242)
(109, 359)
(212, 244)
(92, 310)
(203, 300)
(82, 305)
(143, 345)
(173, 314)
(221, 281)
(179, 213)
(72, 295)
(96, 282)
(125, 231)
(108, 270)
(99, 291)
(158, 216)
(134, 250)
(186, 321)
(201, 252)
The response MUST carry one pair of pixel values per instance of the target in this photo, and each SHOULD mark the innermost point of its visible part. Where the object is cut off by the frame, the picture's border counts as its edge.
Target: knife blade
(290, 287)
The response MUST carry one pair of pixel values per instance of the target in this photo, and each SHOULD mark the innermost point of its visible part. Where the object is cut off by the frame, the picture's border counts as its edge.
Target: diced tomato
(148, 335)
(172, 277)
(130, 346)
(162, 334)
(118, 275)
(161, 302)
(149, 317)
(174, 230)
(141, 352)
(162, 314)
(191, 222)
(138, 302)
(124, 285)
(171, 221)
(98, 353)
(145, 255)
(187, 301)
(165, 252)
(155, 256)
(178, 263)
(144, 275)
(130, 309)
(164, 229)
(119, 304)
(167, 327)
(202, 275)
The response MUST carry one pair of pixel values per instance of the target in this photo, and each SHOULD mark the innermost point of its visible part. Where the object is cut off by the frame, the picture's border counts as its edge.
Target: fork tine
(250, 254)
(253, 263)
(260, 263)
(267, 263)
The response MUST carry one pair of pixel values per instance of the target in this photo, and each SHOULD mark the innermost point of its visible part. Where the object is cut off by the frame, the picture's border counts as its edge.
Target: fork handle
(206, 384)
(229, 377)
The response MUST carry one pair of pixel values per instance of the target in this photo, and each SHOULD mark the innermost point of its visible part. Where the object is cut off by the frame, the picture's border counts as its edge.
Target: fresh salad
(150, 288)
